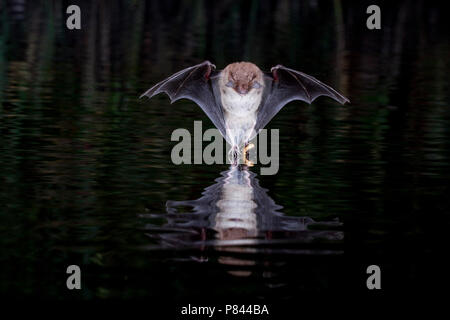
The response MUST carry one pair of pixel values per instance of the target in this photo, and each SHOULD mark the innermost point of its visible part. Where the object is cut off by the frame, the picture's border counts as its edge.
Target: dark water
(86, 175)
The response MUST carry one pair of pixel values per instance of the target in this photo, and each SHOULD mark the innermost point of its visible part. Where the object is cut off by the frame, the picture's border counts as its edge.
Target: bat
(240, 100)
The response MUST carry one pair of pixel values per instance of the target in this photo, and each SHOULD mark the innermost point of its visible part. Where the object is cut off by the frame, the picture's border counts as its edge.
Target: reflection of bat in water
(240, 100)
(244, 220)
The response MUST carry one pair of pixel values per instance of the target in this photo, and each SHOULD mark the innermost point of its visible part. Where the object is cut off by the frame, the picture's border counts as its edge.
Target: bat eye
(256, 85)
(229, 84)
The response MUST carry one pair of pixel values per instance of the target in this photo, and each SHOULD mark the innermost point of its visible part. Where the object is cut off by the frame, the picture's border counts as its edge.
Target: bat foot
(247, 162)
(248, 147)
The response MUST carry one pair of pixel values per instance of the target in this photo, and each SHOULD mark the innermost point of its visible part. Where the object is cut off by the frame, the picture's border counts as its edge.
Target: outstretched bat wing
(199, 84)
(284, 85)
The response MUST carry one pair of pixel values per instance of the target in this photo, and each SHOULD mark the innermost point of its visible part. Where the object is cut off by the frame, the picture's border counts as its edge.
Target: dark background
(85, 165)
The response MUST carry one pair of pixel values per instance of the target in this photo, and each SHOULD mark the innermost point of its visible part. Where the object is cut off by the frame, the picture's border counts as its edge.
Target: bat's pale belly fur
(240, 114)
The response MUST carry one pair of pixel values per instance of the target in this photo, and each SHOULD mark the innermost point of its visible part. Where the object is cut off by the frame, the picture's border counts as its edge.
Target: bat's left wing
(284, 85)
(198, 83)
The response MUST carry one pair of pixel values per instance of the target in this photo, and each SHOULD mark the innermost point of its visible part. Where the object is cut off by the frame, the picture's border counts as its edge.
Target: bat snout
(242, 89)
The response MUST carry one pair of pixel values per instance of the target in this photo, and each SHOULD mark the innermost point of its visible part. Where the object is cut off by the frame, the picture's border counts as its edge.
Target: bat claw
(276, 67)
(210, 68)
(247, 162)
(209, 63)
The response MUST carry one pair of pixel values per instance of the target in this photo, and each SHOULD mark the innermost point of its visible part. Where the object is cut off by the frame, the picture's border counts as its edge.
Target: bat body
(241, 99)
(241, 93)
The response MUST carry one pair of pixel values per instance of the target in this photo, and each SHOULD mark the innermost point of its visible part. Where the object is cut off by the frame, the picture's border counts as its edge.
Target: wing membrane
(197, 83)
(284, 85)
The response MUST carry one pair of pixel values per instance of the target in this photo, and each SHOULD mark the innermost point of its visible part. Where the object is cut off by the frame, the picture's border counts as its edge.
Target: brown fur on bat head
(242, 77)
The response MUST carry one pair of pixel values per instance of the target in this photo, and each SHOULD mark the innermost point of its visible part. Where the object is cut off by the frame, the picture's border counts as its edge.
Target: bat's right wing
(284, 85)
(199, 84)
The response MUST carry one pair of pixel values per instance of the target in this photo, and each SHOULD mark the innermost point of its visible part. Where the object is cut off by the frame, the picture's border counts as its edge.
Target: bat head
(242, 77)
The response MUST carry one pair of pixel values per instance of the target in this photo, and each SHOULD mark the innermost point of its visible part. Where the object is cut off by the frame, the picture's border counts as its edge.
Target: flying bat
(240, 100)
